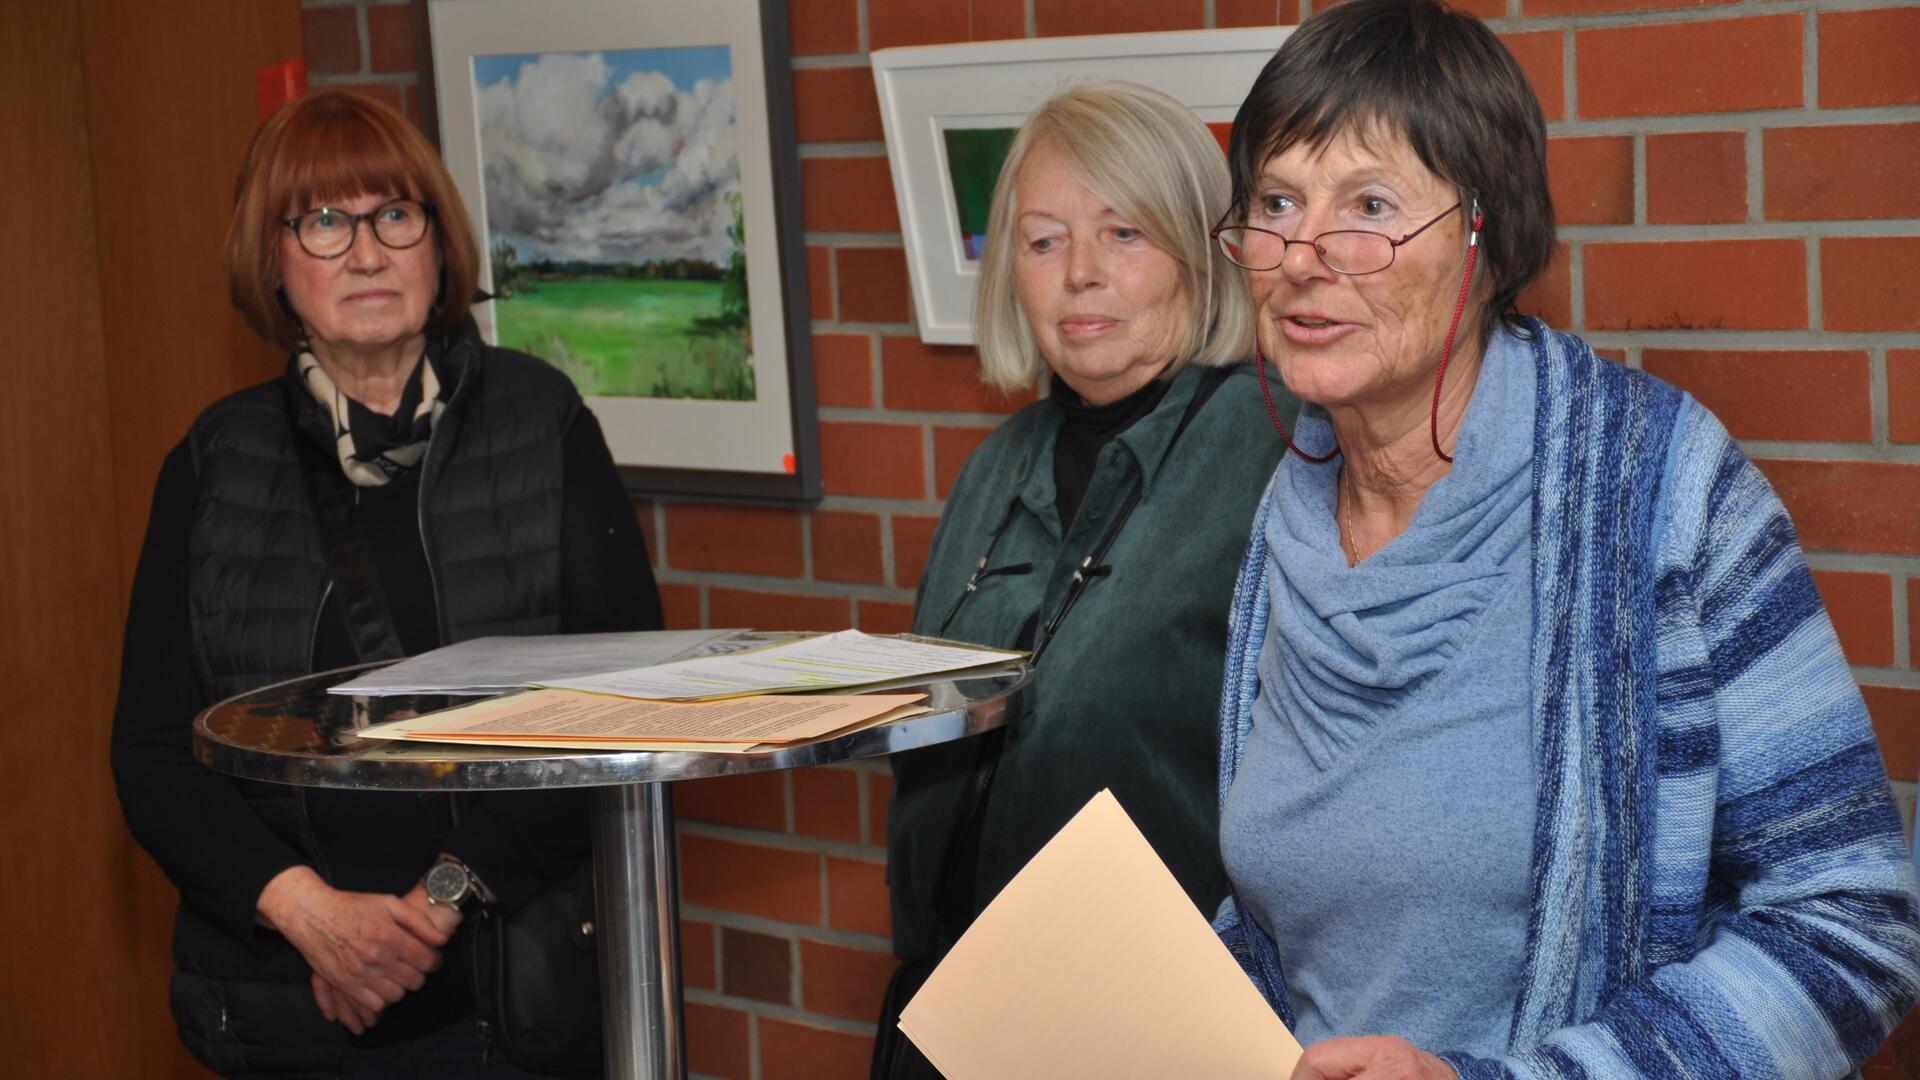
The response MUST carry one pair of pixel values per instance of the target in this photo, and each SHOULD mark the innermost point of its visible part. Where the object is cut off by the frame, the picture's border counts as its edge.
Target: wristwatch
(450, 883)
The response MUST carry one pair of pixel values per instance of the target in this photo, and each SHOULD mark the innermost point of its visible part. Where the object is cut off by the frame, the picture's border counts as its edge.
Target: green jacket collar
(1148, 441)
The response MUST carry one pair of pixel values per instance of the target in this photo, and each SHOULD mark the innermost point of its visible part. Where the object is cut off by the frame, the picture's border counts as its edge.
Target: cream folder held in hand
(1092, 962)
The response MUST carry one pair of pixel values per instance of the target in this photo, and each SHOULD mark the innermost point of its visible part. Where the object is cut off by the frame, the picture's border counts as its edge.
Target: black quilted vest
(490, 508)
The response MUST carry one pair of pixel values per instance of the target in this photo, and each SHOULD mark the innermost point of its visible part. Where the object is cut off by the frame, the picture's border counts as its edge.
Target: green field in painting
(620, 337)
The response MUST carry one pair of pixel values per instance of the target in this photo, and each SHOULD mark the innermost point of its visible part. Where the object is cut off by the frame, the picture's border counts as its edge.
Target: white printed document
(495, 665)
(1092, 962)
(829, 661)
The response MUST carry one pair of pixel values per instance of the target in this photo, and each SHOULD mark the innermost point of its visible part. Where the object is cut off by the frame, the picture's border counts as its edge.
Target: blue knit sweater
(1720, 883)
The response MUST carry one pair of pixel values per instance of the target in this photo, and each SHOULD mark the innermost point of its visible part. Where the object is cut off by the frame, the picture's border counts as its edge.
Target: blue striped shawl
(1721, 887)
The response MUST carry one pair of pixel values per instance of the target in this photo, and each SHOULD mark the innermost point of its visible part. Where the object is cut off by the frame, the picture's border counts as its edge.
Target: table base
(637, 922)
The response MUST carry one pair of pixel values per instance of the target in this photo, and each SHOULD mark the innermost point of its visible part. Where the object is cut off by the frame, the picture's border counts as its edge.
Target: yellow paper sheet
(556, 718)
(1092, 962)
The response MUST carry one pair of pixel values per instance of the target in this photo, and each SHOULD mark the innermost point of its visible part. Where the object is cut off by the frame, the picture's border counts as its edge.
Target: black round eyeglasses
(327, 233)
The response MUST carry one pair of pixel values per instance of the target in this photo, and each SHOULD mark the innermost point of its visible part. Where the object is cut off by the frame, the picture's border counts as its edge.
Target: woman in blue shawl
(1539, 754)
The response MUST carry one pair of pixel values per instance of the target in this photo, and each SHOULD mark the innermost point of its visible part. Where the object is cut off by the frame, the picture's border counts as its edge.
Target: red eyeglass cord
(1446, 353)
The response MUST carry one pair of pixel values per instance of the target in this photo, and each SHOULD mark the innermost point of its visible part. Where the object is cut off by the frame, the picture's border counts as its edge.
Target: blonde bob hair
(1160, 169)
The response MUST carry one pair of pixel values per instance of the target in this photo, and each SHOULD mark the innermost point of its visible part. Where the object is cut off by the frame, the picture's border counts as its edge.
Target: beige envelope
(1093, 962)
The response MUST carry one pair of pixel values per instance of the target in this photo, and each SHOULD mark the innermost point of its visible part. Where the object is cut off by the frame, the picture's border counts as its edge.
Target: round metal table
(295, 732)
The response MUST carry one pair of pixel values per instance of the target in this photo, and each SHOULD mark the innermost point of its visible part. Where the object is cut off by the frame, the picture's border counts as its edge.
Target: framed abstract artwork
(950, 111)
(632, 172)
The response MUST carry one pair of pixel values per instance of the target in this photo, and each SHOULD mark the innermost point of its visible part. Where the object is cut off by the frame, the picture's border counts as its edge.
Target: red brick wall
(1734, 181)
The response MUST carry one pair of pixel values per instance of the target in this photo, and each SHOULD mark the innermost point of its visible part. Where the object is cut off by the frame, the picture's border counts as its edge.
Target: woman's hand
(371, 948)
(1372, 1057)
(342, 1009)
(445, 918)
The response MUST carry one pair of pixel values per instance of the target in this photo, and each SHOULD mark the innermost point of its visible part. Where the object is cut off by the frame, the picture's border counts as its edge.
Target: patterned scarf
(377, 456)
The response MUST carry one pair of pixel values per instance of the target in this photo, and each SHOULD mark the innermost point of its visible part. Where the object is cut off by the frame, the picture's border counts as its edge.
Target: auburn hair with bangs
(330, 146)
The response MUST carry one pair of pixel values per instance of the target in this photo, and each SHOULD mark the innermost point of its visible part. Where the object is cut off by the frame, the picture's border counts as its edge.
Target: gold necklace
(1353, 546)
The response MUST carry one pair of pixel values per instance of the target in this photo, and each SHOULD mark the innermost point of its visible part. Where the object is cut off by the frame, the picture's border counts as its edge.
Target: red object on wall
(277, 84)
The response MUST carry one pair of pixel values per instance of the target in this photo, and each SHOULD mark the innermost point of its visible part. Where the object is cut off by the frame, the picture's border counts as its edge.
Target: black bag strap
(349, 560)
(951, 913)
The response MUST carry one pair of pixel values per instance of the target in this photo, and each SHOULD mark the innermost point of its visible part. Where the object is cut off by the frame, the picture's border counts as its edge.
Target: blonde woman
(1100, 527)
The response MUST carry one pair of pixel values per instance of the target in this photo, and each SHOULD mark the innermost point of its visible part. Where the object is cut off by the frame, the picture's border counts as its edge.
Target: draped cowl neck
(1357, 644)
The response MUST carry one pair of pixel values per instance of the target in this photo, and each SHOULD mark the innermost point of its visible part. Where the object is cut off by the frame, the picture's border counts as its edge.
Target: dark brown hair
(1440, 79)
(335, 145)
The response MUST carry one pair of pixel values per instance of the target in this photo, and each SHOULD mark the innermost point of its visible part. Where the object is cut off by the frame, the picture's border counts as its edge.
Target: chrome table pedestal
(296, 733)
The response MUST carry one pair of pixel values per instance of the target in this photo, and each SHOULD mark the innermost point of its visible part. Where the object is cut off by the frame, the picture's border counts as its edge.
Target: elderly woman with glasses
(1098, 528)
(1539, 755)
(403, 486)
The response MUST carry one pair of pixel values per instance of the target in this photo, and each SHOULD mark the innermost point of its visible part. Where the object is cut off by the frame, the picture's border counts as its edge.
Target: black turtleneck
(1084, 430)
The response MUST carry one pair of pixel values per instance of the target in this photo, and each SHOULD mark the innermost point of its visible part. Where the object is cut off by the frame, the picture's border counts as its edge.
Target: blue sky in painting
(684, 65)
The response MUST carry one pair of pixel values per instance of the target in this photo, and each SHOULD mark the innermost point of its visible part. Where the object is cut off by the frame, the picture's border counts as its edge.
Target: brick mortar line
(865, 37)
(826, 590)
(1816, 287)
(1810, 57)
(1617, 20)
(366, 37)
(894, 414)
(811, 845)
(929, 480)
(787, 1013)
(863, 793)
(829, 60)
(1851, 453)
(1640, 179)
(1903, 644)
(1800, 116)
(1744, 339)
(1797, 229)
(820, 151)
(1569, 78)
(1897, 678)
(866, 503)
(365, 78)
(1754, 148)
(1860, 562)
(1880, 399)
(760, 924)
(835, 326)
(889, 558)
(806, 548)
(1576, 281)
(858, 241)
(753, 1046)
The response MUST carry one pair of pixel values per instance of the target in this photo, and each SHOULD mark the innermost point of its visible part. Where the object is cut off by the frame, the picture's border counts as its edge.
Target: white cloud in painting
(579, 168)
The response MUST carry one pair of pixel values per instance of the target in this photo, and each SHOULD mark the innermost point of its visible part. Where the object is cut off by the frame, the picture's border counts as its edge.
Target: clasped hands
(367, 950)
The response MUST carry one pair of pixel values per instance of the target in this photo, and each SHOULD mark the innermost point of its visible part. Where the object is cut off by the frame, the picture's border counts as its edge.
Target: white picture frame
(763, 448)
(927, 90)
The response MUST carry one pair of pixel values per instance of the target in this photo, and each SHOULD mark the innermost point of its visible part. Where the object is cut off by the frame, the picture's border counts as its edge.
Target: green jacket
(1127, 694)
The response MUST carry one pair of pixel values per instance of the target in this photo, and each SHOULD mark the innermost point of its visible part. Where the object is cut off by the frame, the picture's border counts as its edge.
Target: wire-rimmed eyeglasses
(326, 232)
(1351, 252)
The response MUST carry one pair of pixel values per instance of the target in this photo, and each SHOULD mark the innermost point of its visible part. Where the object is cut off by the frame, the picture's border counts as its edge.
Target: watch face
(447, 883)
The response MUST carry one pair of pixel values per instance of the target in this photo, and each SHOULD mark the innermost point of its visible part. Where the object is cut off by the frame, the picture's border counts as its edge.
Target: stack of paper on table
(495, 665)
(828, 661)
(571, 719)
(1092, 962)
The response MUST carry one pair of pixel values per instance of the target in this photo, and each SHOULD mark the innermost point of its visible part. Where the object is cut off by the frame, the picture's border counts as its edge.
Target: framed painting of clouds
(632, 172)
(950, 111)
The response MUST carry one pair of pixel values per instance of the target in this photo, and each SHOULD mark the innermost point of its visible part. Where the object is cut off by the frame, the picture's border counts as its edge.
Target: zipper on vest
(313, 634)
(426, 548)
